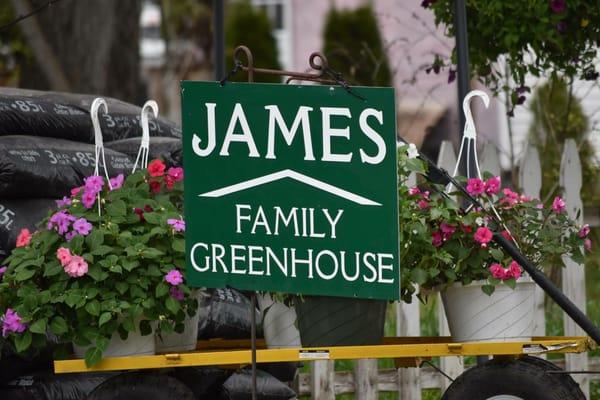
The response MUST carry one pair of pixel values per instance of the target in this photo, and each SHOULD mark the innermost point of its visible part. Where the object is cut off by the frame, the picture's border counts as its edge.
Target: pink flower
(117, 181)
(584, 231)
(3, 271)
(88, 199)
(11, 322)
(177, 224)
(176, 173)
(413, 191)
(174, 277)
(587, 244)
(436, 238)
(492, 185)
(65, 201)
(77, 267)
(510, 198)
(64, 256)
(75, 191)
(540, 206)
(475, 186)
(93, 183)
(514, 270)
(525, 199)
(156, 168)
(558, 205)
(447, 230)
(483, 235)
(423, 204)
(176, 293)
(24, 238)
(169, 182)
(497, 271)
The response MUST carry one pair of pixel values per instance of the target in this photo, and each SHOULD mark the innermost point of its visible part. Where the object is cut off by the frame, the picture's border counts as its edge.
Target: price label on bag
(291, 188)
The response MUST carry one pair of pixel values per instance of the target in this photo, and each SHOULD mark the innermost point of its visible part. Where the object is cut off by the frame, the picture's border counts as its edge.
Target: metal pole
(219, 38)
(253, 339)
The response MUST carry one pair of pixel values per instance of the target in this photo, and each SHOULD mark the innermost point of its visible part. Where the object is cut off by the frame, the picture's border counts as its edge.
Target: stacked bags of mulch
(47, 148)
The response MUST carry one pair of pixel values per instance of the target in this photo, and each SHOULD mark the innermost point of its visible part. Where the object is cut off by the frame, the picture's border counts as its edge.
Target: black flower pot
(340, 321)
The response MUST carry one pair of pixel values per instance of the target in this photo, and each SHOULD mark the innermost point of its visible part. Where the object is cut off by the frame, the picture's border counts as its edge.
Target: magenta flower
(584, 231)
(11, 322)
(82, 226)
(498, 271)
(447, 230)
(558, 6)
(492, 185)
(483, 236)
(558, 205)
(3, 270)
(174, 277)
(587, 244)
(93, 183)
(117, 181)
(177, 224)
(413, 191)
(65, 201)
(475, 186)
(89, 198)
(176, 293)
(423, 204)
(176, 173)
(436, 238)
(510, 198)
(514, 270)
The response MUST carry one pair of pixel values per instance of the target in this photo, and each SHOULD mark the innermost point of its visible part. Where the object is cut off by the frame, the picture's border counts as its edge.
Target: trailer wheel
(520, 379)
(141, 386)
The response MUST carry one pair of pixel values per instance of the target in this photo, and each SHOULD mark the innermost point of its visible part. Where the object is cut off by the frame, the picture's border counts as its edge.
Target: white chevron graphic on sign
(288, 173)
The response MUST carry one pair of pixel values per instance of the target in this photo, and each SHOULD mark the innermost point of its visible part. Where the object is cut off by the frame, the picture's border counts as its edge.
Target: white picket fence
(323, 383)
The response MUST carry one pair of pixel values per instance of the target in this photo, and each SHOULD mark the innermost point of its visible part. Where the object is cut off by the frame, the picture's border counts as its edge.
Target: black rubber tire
(141, 386)
(524, 378)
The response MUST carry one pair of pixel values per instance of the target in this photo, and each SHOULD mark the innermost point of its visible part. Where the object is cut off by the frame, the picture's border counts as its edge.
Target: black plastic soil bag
(166, 148)
(13, 365)
(204, 382)
(48, 386)
(49, 168)
(239, 387)
(67, 116)
(225, 313)
(16, 214)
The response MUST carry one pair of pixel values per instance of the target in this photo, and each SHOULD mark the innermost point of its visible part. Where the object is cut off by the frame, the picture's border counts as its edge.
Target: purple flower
(177, 293)
(117, 181)
(93, 183)
(61, 220)
(561, 27)
(427, 3)
(3, 270)
(11, 322)
(65, 201)
(177, 224)
(174, 277)
(82, 226)
(558, 6)
(89, 198)
(70, 235)
(451, 76)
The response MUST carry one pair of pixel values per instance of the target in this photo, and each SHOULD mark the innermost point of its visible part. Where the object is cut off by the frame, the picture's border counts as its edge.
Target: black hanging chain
(339, 79)
(236, 67)
(435, 367)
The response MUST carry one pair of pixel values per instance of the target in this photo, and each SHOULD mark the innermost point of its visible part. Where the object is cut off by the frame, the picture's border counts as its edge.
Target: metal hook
(98, 142)
(149, 106)
(249, 57)
(470, 131)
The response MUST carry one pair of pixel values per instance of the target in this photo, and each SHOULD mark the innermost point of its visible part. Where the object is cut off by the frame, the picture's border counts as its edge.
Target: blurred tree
(83, 46)
(250, 26)
(557, 115)
(353, 46)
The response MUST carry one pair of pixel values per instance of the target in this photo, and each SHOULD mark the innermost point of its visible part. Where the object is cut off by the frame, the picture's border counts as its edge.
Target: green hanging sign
(291, 188)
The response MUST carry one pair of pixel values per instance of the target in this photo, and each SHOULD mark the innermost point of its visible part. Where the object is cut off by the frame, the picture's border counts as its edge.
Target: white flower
(412, 151)
(479, 221)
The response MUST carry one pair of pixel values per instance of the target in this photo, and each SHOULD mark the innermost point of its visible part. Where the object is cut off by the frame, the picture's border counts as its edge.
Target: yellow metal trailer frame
(407, 351)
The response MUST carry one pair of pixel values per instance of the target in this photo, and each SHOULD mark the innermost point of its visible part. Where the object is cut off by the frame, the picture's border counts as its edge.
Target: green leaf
(52, 269)
(121, 287)
(128, 324)
(497, 254)
(93, 355)
(94, 239)
(104, 318)
(97, 274)
(161, 289)
(102, 250)
(102, 343)
(179, 245)
(153, 218)
(172, 305)
(418, 275)
(76, 244)
(22, 341)
(58, 326)
(24, 274)
(129, 265)
(488, 289)
(151, 253)
(511, 283)
(93, 307)
(39, 326)
(116, 209)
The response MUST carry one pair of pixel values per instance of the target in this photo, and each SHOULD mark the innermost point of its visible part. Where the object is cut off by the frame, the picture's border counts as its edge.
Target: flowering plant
(442, 244)
(534, 37)
(107, 261)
